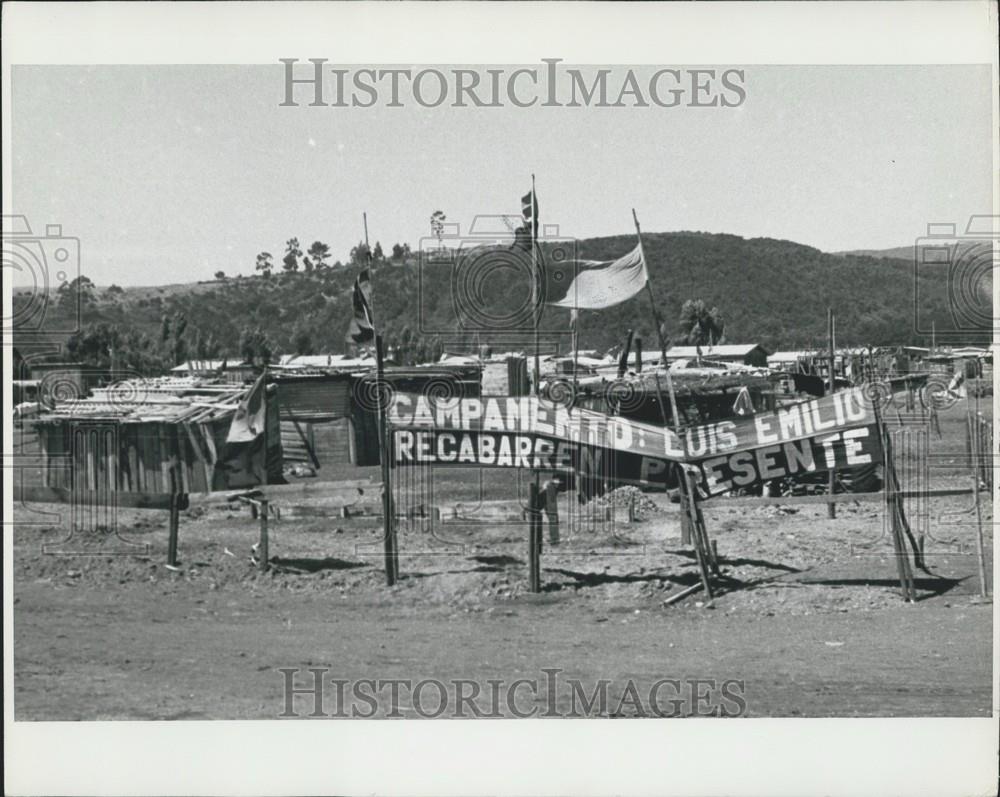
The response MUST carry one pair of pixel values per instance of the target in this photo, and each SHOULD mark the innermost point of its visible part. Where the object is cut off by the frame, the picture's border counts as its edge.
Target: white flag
(600, 284)
(250, 416)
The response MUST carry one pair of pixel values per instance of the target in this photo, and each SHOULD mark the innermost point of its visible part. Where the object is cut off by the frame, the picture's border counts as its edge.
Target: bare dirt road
(821, 631)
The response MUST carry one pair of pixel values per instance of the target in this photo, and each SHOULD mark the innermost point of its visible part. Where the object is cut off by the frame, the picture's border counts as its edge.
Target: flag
(248, 421)
(527, 233)
(743, 404)
(599, 284)
(362, 326)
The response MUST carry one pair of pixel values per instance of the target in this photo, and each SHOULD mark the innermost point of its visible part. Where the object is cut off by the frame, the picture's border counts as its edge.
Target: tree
(112, 292)
(290, 262)
(220, 275)
(319, 252)
(361, 255)
(255, 347)
(437, 225)
(265, 262)
(700, 325)
(177, 348)
(377, 254)
(302, 341)
(102, 344)
(206, 347)
(80, 289)
(397, 251)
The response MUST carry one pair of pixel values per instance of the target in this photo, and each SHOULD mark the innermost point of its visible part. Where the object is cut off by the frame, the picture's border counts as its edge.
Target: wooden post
(534, 538)
(690, 511)
(264, 557)
(385, 451)
(550, 498)
(683, 593)
(623, 359)
(534, 491)
(976, 453)
(894, 509)
(831, 508)
(174, 527)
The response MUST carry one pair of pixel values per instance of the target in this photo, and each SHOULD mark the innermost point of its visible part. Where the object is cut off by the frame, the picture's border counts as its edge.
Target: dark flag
(527, 233)
(362, 326)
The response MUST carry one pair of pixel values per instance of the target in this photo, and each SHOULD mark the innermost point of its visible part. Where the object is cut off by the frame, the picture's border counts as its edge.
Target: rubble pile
(621, 498)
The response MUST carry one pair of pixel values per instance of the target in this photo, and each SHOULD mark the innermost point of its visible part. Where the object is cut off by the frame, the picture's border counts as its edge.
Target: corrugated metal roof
(203, 365)
(718, 350)
(167, 399)
(323, 361)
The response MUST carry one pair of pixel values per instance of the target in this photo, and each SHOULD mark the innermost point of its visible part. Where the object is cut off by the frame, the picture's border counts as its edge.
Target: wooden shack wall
(156, 457)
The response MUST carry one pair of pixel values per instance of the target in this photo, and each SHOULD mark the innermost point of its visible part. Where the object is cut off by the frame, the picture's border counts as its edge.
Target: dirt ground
(809, 615)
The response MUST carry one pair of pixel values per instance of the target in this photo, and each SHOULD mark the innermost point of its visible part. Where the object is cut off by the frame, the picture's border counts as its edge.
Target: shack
(233, 371)
(736, 353)
(156, 436)
(315, 411)
(702, 394)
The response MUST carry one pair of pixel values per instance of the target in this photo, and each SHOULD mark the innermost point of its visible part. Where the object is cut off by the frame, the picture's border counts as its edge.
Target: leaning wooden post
(893, 507)
(175, 522)
(689, 522)
(264, 556)
(676, 425)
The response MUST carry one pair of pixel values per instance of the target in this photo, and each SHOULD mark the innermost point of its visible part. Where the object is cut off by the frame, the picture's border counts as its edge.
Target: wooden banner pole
(389, 542)
(534, 539)
(535, 527)
(675, 415)
(388, 512)
(976, 454)
(659, 333)
(690, 510)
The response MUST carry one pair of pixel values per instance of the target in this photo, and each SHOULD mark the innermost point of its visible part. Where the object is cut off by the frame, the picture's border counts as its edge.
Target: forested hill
(767, 291)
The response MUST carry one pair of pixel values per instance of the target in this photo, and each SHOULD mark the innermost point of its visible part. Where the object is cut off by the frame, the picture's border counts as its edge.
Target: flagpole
(659, 333)
(388, 518)
(534, 508)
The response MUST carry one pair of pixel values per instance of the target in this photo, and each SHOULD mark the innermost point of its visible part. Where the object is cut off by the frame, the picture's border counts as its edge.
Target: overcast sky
(170, 173)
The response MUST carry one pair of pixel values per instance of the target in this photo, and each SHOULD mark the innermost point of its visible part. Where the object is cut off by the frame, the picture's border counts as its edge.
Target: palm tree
(700, 325)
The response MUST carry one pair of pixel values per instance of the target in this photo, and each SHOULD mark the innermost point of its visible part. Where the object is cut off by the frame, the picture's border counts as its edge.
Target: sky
(168, 174)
